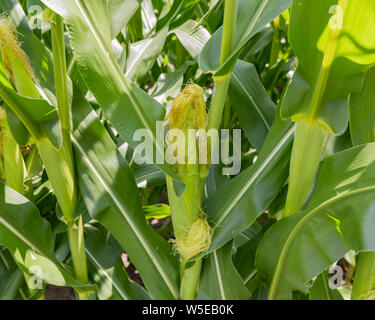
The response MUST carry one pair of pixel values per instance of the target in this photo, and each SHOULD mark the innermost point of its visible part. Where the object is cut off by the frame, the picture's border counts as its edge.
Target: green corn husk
(189, 112)
(14, 164)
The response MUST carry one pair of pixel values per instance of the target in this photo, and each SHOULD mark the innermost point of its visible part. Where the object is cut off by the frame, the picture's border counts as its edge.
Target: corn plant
(158, 149)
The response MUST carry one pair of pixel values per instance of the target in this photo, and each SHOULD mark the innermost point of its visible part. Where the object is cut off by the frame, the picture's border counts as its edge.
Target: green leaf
(220, 279)
(169, 84)
(332, 63)
(244, 257)
(29, 238)
(340, 217)
(142, 55)
(10, 282)
(38, 116)
(147, 175)
(214, 6)
(254, 108)
(111, 197)
(171, 14)
(252, 16)
(321, 290)
(121, 12)
(236, 205)
(362, 111)
(192, 37)
(107, 270)
(157, 211)
(126, 106)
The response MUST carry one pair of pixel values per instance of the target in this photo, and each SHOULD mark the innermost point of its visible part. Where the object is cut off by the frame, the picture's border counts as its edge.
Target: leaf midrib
(110, 279)
(264, 120)
(256, 174)
(219, 277)
(115, 69)
(159, 268)
(325, 70)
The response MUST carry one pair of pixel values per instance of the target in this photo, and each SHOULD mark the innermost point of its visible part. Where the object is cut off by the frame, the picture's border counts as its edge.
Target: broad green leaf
(171, 14)
(142, 55)
(252, 16)
(362, 130)
(107, 270)
(111, 197)
(126, 106)
(120, 12)
(236, 205)
(340, 217)
(10, 282)
(244, 256)
(220, 279)
(192, 37)
(157, 211)
(214, 6)
(147, 175)
(169, 84)
(362, 111)
(334, 51)
(254, 108)
(187, 11)
(321, 290)
(29, 238)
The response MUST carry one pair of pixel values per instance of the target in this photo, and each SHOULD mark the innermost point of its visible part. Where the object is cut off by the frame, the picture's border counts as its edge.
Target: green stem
(364, 278)
(190, 281)
(229, 26)
(307, 148)
(77, 247)
(217, 107)
(222, 85)
(194, 186)
(275, 42)
(76, 236)
(60, 71)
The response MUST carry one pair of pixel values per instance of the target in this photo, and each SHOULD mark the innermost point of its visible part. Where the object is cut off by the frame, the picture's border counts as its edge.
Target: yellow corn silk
(188, 109)
(196, 240)
(15, 60)
(189, 112)
(9, 46)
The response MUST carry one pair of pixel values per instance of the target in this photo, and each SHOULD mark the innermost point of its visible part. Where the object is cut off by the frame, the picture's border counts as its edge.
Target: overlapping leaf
(29, 239)
(252, 16)
(335, 45)
(107, 269)
(111, 197)
(236, 205)
(126, 106)
(253, 106)
(340, 217)
(362, 111)
(220, 279)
